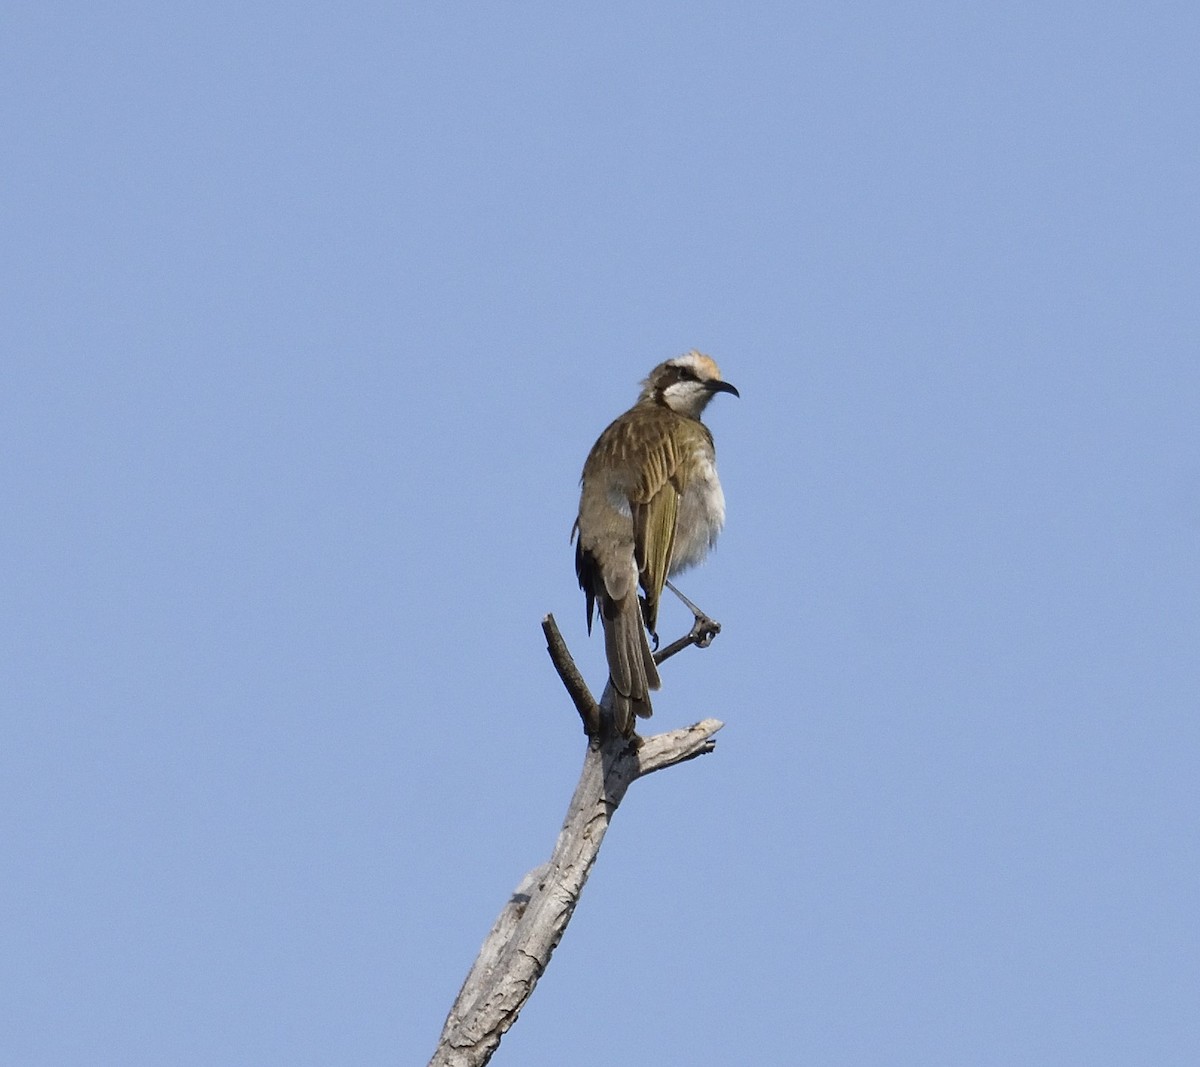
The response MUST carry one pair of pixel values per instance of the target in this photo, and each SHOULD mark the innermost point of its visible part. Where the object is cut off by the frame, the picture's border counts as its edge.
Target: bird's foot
(701, 634)
(704, 630)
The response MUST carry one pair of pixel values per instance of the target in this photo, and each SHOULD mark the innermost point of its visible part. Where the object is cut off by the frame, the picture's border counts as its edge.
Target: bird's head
(686, 383)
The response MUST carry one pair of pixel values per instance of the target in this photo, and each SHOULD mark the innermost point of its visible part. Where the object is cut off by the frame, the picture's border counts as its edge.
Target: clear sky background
(310, 315)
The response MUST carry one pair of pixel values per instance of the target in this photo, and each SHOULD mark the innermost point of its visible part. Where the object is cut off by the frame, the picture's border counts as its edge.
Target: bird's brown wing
(654, 542)
(655, 504)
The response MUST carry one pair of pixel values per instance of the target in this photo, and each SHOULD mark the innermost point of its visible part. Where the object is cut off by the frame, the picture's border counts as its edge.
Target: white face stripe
(687, 397)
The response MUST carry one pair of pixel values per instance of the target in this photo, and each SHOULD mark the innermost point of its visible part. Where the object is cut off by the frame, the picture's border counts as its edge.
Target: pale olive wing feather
(655, 503)
(654, 543)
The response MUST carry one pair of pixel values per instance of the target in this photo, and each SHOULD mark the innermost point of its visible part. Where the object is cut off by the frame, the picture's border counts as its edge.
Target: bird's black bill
(723, 387)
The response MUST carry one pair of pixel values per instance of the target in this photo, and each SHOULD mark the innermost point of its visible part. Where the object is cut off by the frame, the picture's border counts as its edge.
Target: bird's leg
(705, 627)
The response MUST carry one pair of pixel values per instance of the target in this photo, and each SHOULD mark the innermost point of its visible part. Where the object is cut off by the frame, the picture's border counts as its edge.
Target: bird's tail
(630, 662)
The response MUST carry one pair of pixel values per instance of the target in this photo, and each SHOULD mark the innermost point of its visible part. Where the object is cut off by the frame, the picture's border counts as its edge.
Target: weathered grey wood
(518, 949)
(581, 696)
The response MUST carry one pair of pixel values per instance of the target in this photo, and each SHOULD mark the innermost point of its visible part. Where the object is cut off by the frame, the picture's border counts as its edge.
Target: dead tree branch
(518, 949)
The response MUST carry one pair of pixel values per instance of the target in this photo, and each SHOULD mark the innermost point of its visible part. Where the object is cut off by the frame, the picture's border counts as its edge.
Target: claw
(705, 629)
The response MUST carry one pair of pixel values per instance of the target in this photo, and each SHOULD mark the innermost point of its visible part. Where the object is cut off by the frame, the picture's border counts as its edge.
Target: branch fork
(518, 949)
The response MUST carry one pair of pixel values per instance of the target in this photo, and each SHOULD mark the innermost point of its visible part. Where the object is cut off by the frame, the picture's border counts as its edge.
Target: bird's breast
(701, 516)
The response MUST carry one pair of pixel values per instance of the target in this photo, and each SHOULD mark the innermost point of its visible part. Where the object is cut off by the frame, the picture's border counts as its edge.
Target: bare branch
(580, 695)
(519, 947)
(489, 955)
(678, 746)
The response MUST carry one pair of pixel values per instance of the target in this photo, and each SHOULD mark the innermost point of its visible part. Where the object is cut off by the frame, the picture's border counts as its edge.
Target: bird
(650, 506)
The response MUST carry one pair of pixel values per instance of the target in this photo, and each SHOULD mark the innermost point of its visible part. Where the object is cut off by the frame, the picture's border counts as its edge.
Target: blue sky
(310, 316)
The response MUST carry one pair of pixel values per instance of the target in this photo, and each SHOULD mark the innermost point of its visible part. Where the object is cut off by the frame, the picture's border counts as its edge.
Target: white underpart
(701, 516)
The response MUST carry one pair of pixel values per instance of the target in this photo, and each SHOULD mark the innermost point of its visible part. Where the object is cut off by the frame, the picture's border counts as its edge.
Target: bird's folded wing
(655, 504)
